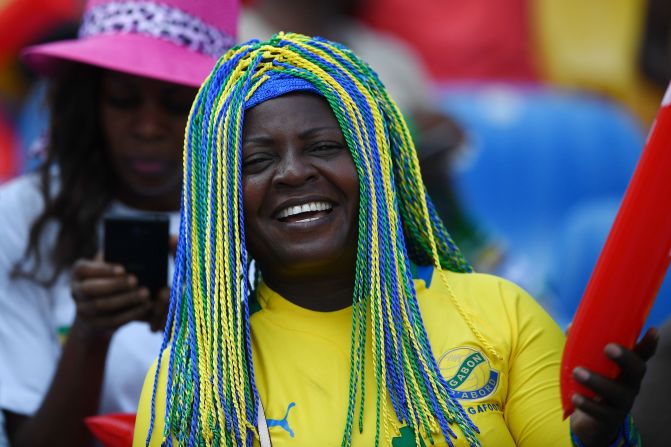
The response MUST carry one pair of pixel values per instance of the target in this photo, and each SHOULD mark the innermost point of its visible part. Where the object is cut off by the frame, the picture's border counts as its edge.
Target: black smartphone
(141, 245)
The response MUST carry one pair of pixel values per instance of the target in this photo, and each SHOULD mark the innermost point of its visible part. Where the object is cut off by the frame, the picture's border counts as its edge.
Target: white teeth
(309, 219)
(304, 208)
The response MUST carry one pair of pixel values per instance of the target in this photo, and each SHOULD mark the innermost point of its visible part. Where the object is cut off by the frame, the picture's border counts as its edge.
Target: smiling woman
(365, 325)
(300, 196)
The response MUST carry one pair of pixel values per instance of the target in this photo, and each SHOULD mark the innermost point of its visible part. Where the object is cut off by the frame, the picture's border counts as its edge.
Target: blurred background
(529, 115)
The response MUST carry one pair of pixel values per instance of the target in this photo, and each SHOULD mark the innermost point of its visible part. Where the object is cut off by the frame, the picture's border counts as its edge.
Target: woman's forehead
(294, 110)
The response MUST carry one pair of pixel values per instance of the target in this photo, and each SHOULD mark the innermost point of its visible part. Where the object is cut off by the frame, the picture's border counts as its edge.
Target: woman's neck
(159, 203)
(325, 293)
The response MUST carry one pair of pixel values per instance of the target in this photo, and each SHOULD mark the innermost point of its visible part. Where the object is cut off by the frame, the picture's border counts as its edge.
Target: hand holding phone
(107, 297)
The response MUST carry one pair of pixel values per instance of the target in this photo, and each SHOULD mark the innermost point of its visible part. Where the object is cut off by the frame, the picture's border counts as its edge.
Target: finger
(85, 290)
(85, 268)
(609, 392)
(632, 366)
(112, 322)
(603, 413)
(647, 346)
(114, 303)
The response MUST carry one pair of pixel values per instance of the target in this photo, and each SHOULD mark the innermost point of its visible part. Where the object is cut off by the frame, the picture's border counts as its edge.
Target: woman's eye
(121, 101)
(177, 107)
(255, 164)
(326, 148)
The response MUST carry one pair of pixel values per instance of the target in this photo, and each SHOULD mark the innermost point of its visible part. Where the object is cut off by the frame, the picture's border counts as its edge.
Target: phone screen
(141, 246)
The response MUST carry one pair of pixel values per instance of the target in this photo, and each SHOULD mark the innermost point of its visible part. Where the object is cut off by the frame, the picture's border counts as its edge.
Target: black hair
(82, 190)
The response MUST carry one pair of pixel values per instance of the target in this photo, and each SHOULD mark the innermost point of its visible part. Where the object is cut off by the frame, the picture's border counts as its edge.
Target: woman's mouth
(306, 212)
(148, 166)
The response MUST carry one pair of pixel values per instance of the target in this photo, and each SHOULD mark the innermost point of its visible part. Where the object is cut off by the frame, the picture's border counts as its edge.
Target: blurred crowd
(529, 115)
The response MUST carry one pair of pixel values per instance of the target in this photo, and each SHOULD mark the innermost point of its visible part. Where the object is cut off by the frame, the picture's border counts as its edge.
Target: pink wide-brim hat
(176, 41)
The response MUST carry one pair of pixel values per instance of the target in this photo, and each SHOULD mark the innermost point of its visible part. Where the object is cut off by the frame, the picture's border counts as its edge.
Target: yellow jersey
(302, 366)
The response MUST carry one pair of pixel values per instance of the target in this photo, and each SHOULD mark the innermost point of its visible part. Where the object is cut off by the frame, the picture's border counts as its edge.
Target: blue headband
(278, 85)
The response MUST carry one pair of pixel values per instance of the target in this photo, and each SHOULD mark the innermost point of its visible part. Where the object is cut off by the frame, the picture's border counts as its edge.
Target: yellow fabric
(302, 357)
(594, 45)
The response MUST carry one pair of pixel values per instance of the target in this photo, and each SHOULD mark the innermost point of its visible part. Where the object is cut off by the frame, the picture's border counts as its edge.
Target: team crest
(468, 373)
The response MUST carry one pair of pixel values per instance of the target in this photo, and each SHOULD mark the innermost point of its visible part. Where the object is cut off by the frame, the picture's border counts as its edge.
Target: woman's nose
(150, 122)
(294, 169)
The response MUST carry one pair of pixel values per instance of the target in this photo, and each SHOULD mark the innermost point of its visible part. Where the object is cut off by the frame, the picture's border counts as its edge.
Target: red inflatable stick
(112, 430)
(631, 266)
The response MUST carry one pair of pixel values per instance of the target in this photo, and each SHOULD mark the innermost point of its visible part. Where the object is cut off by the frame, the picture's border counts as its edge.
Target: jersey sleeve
(533, 409)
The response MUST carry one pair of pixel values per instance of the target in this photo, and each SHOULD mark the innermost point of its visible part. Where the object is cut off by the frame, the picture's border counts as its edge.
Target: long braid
(212, 396)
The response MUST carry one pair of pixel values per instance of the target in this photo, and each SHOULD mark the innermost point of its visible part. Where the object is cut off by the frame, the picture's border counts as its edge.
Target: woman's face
(300, 187)
(143, 123)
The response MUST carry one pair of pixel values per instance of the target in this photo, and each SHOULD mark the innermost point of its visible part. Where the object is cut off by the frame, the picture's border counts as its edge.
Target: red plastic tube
(112, 430)
(630, 268)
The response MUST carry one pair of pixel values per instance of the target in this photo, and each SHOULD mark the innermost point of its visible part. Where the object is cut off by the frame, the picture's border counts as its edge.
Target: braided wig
(211, 394)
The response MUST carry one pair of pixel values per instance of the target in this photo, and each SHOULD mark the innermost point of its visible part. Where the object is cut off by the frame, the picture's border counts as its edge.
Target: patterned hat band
(156, 20)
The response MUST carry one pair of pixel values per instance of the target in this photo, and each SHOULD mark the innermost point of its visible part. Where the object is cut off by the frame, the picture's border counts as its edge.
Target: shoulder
(453, 304)
(20, 194)
(492, 298)
(477, 291)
